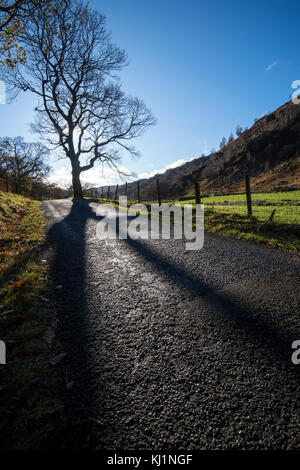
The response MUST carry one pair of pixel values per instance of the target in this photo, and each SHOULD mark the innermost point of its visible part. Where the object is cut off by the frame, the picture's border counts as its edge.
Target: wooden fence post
(197, 193)
(248, 194)
(138, 191)
(272, 216)
(125, 191)
(158, 192)
(108, 188)
(116, 192)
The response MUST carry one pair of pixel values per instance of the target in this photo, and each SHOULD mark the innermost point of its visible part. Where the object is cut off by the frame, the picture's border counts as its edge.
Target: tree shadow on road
(259, 331)
(67, 239)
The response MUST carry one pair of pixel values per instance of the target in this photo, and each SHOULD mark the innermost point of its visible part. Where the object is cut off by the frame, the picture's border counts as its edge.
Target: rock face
(270, 150)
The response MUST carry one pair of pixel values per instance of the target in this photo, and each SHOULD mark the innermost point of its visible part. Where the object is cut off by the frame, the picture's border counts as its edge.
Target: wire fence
(277, 207)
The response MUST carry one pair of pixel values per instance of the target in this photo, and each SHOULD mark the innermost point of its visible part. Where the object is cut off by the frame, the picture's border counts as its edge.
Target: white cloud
(60, 176)
(97, 176)
(271, 66)
(168, 167)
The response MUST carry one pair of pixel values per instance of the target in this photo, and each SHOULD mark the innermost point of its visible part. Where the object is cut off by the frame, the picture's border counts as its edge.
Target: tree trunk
(77, 190)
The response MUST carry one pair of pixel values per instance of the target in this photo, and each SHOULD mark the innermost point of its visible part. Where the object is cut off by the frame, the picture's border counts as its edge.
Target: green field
(227, 215)
(283, 214)
(280, 197)
(286, 205)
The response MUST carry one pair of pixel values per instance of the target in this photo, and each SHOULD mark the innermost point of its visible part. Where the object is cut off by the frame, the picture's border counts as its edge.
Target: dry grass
(28, 383)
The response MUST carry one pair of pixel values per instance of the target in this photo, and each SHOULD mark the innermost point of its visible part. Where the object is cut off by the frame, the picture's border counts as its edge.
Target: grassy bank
(256, 229)
(285, 204)
(276, 198)
(227, 215)
(232, 220)
(27, 380)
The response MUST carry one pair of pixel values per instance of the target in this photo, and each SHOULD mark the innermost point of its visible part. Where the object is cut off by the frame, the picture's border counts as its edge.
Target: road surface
(174, 349)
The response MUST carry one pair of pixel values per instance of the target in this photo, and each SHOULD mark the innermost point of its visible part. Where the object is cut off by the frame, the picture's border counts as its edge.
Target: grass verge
(279, 235)
(28, 404)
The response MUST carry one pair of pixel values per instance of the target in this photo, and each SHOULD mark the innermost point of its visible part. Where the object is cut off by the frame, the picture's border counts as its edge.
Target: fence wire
(281, 207)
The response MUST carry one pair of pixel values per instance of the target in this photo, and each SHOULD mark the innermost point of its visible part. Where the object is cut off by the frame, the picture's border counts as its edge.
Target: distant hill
(270, 150)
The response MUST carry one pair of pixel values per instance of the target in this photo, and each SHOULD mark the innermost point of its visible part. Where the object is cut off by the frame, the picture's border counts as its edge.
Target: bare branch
(71, 66)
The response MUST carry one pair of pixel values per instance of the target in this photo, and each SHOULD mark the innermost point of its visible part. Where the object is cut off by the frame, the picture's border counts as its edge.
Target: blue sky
(201, 66)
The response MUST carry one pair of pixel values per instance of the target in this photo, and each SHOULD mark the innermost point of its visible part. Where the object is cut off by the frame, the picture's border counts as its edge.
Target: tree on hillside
(238, 131)
(23, 162)
(149, 192)
(230, 139)
(71, 65)
(4, 177)
(223, 142)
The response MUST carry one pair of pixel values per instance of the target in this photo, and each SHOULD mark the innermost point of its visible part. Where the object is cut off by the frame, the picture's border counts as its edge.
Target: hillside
(270, 150)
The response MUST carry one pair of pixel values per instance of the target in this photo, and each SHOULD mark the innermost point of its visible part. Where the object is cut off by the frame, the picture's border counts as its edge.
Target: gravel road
(174, 349)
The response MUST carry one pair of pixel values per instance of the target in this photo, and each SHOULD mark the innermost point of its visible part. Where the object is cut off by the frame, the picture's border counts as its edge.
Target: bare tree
(24, 162)
(4, 165)
(71, 66)
(44, 190)
(222, 143)
(230, 139)
(238, 131)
